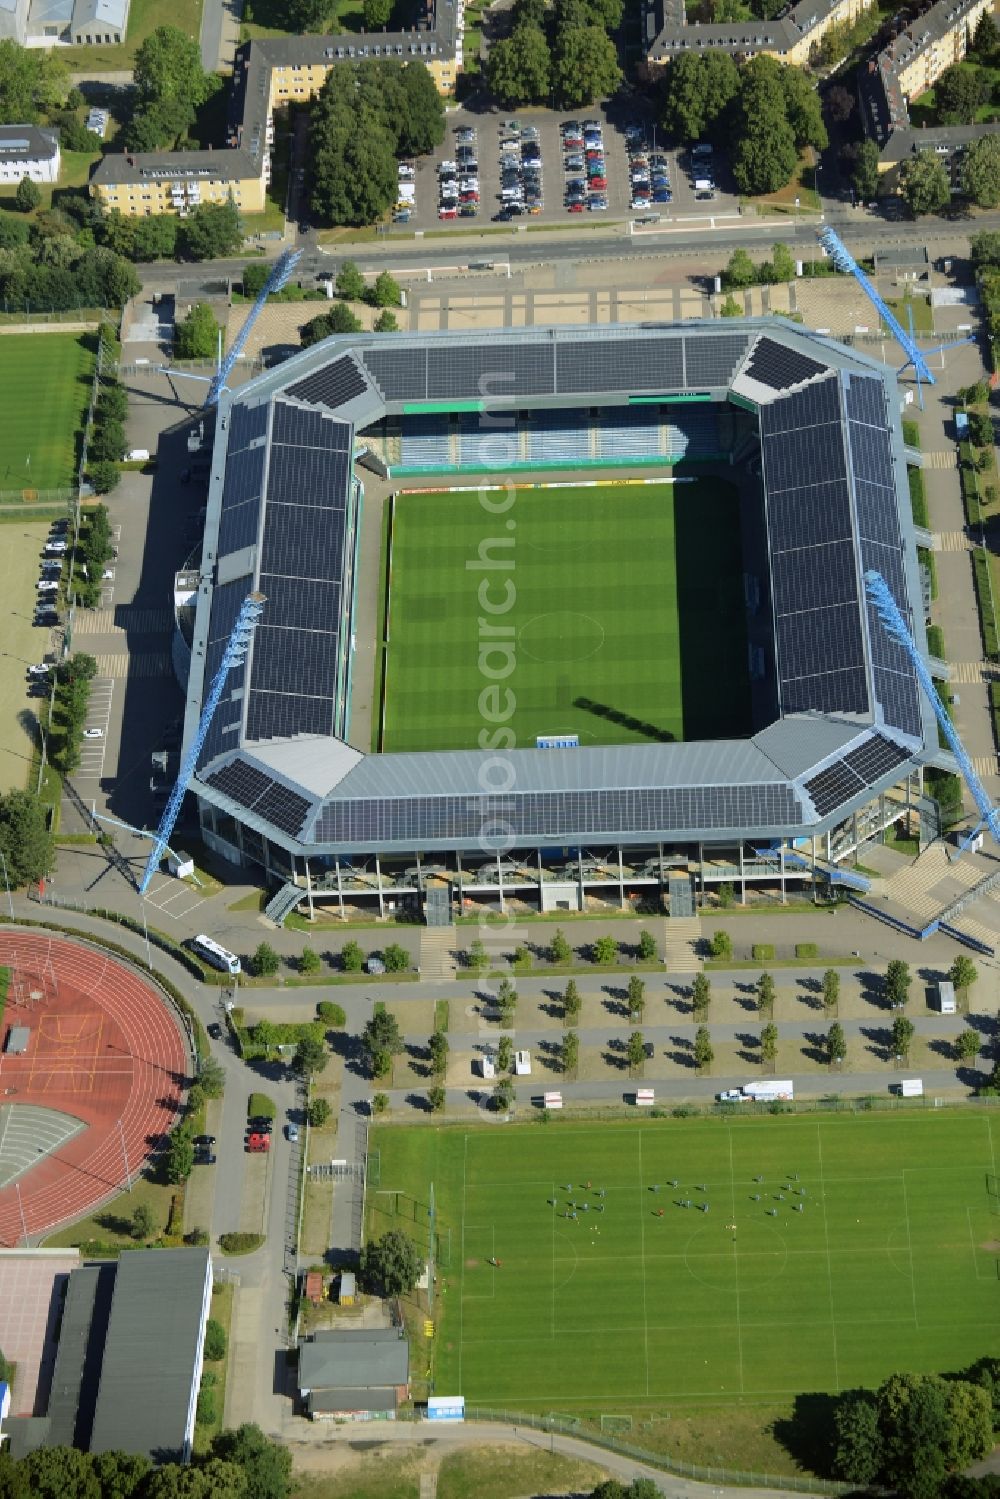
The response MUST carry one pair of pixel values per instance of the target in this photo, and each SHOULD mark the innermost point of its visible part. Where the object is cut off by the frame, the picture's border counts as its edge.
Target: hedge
(918, 497)
(984, 598)
(237, 1243)
(970, 494)
(762, 952)
(806, 950)
(926, 559)
(995, 710)
(935, 642)
(911, 433)
(330, 1013)
(260, 1103)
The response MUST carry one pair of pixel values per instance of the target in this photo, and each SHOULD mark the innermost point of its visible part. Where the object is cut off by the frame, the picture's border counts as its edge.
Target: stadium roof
(849, 712)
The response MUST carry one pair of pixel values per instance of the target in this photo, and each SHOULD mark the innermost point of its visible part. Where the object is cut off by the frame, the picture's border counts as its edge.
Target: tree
(318, 1112)
(212, 1078)
(311, 1056)
(120, 1474)
(391, 1265)
(959, 93)
(986, 37)
(836, 1043)
(704, 1054)
(902, 1035)
(970, 1423)
(168, 66)
(107, 442)
(635, 999)
(721, 944)
(804, 109)
(699, 88)
(395, 958)
(305, 16)
(180, 1158)
(438, 1048)
(13, 232)
(196, 336)
(731, 308)
(377, 13)
(740, 271)
(352, 959)
(571, 1001)
(386, 322)
(701, 994)
(967, 1044)
(385, 292)
(913, 1419)
(28, 195)
(436, 1097)
(765, 155)
(857, 1438)
(265, 961)
(267, 1465)
(782, 264)
(519, 66)
(570, 1055)
(559, 949)
(840, 103)
(478, 958)
(636, 1050)
(350, 283)
(143, 1223)
(310, 961)
(925, 184)
(506, 1002)
(503, 1094)
(210, 1480)
(962, 972)
(380, 1102)
(647, 946)
(215, 1340)
(421, 121)
(864, 170)
(25, 840)
(213, 230)
(897, 982)
(765, 994)
(505, 1054)
(769, 1042)
(605, 950)
(381, 1040)
(60, 1473)
(354, 176)
(831, 989)
(340, 319)
(586, 66)
(981, 171)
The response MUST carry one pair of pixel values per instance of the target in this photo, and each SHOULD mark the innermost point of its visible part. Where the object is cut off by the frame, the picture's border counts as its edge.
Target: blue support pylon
(280, 272)
(236, 648)
(845, 261)
(896, 626)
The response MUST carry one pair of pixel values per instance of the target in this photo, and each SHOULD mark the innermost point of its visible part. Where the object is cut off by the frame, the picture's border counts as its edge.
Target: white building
(27, 151)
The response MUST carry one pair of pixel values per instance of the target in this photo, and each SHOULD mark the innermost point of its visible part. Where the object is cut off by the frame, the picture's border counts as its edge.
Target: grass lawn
(627, 620)
(891, 1264)
(110, 1224)
(923, 313)
(44, 386)
(222, 1310)
(144, 17)
(801, 186)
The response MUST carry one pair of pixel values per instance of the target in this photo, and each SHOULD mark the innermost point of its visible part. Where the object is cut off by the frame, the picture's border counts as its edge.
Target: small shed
(313, 1289)
(348, 1288)
(946, 998)
(17, 1040)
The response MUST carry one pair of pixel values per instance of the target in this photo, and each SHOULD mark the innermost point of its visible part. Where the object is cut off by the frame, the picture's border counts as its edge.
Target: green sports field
(44, 386)
(891, 1264)
(614, 612)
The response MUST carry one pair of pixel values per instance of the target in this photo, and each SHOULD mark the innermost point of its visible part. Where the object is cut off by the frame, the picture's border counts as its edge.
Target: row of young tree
(241, 1464)
(68, 716)
(366, 115)
(560, 54)
(105, 448)
(768, 113)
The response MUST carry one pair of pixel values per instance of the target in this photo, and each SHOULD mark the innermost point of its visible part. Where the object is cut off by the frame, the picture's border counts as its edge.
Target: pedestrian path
(952, 541)
(931, 882)
(971, 672)
(680, 948)
(942, 458)
(143, 664)
(985, 765)
(122, 620)
(436, 959)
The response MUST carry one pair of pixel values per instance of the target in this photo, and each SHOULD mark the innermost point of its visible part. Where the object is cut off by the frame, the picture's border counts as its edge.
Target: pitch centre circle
(758, 1255)
(561, 635)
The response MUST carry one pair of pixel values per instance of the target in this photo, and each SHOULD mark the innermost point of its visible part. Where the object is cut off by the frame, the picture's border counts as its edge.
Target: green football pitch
(44, 387)
(891, 1264)
(613, 612)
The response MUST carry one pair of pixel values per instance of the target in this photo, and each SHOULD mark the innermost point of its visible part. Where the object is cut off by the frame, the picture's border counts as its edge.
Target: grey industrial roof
(332, 1402)
(836, 490)
(27, 143)
(154, 1338)
(354, 1359)
(163, 166)
(82, 1334)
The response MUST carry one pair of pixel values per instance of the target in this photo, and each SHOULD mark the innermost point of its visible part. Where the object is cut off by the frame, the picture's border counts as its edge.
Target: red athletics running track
(106, 1048)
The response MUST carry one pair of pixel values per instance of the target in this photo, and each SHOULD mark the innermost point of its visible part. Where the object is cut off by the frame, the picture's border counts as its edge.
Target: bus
(213, 953)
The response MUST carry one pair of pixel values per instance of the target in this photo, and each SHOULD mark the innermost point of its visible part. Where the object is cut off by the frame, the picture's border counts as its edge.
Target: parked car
(39, 671)
(93, 733)
(292, 1131)
(258, 1144)
(215, 1031)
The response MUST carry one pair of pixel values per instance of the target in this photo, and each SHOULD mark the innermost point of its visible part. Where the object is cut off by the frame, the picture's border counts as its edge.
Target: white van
(137, 455)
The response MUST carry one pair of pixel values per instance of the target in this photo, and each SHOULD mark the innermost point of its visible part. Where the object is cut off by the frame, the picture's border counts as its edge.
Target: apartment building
(140, 184)
(791, 38)
(27, 151)
(912, 63)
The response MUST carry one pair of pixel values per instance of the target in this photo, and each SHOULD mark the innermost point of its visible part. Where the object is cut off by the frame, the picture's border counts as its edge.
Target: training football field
(892, 1263)
(44, 387)
(613, 612)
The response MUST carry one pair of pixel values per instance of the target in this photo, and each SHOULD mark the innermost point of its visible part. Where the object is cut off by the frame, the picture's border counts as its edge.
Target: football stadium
(556, 616)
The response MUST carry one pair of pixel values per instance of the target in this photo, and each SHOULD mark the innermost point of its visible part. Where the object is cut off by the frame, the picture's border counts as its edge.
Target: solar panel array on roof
(246, 425)
(490, 371)
(259, 793)
(862, 768)
(870, 448)
(814, 584)
(333, 385)
(620, 364)
(558, 814)
(241, 496)
(712, 361)
(779, 367)
(306, 557)
(400, 374)
(227, 599)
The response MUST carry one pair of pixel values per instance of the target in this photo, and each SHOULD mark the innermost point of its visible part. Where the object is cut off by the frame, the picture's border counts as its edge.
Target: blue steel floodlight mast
(892, 619)
(235, 651)
(280, 272)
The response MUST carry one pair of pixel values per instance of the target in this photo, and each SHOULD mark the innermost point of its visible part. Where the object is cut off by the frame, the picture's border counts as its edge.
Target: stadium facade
(811, 431)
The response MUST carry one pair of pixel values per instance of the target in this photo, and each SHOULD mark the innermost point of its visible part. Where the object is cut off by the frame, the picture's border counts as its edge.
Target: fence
(800, 1484)
(29, 496)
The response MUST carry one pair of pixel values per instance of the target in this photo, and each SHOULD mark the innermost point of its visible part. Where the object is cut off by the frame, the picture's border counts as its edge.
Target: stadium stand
(426, 443)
